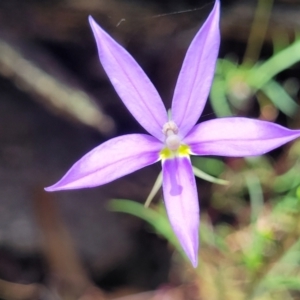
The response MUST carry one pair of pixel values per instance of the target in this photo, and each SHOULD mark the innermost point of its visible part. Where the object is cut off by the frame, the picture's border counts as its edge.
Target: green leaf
(274, 65)
(282, 282)
(218, 98)
(280, 98)
(208, 177)
(156, 218)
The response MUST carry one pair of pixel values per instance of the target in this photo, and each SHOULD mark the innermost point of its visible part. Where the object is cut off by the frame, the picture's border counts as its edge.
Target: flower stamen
(172, 140)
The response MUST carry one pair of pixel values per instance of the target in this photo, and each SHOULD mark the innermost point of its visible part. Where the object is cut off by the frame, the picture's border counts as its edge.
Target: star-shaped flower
(172, 141)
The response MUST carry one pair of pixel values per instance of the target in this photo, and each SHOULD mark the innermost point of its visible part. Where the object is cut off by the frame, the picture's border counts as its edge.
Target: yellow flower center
(173, 146)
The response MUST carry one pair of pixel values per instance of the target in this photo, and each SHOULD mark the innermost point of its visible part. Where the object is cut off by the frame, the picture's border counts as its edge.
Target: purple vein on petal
(181, 200)
(111, 160)
(196, 74)
(237, 137)
(131, 83)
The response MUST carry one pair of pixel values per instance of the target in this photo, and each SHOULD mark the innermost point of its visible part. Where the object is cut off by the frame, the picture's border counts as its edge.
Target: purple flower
(173, 140)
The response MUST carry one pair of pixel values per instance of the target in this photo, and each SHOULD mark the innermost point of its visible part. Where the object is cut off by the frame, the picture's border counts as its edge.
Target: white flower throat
(170, 131)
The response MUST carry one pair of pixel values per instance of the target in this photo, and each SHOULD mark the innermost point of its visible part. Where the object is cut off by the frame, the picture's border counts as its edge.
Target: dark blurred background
(56, 103)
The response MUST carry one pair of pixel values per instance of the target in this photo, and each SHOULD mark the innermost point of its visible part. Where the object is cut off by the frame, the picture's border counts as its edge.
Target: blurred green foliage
(235, 85)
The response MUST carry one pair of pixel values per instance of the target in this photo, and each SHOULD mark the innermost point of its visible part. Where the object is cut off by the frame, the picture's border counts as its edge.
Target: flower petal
(131, 83)
(111, 160)
(181, 200)
(237, 137)
(196, 75)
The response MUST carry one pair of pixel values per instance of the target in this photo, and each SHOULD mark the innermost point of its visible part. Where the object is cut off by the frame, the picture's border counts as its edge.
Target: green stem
(258, 32)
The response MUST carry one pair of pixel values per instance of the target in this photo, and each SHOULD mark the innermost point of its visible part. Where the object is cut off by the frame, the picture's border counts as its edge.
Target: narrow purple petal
(181, 200)
(131, 83)
(196, 74)
(237, 137)
(111, 160)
